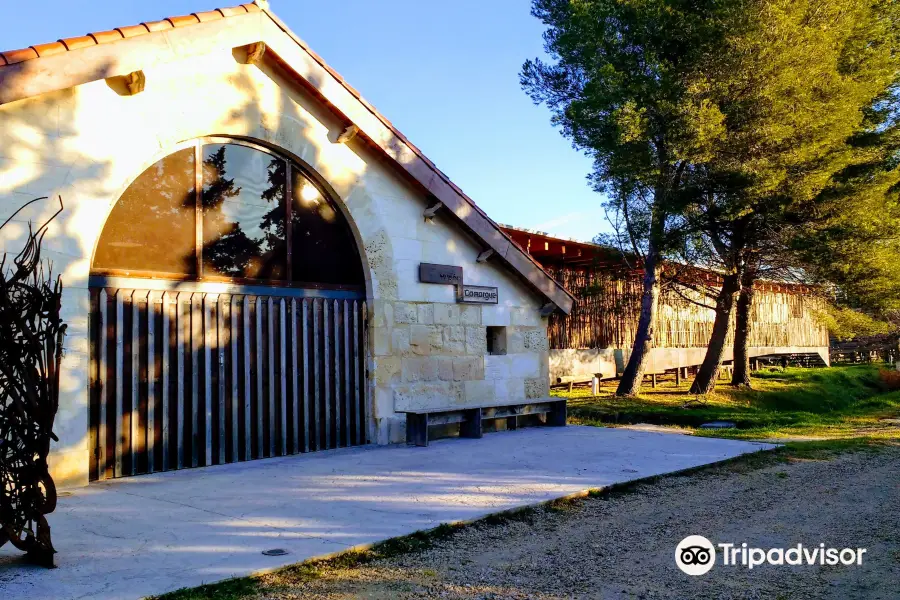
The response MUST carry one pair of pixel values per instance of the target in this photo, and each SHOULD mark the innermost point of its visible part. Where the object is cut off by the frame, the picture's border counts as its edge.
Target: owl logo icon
(695, 555)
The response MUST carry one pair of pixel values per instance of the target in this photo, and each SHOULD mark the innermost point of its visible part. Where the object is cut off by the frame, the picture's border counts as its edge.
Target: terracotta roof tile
(210, 15)
(132, 30)
(75, 43)
(235, 10)
(49, 49)
(16, 56)
(12, 57)
(158, 25)
(104, 37)
(183, 20)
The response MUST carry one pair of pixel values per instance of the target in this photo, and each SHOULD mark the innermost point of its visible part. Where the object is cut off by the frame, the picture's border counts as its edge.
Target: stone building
(241, 245)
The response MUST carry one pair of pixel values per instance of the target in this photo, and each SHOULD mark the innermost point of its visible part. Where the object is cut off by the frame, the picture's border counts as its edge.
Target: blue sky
(444, 72)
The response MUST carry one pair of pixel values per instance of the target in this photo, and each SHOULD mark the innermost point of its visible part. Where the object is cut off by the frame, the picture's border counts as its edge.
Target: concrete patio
(146, 535)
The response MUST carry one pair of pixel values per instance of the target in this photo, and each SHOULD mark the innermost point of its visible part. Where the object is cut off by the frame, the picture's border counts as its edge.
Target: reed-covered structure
(596, 336)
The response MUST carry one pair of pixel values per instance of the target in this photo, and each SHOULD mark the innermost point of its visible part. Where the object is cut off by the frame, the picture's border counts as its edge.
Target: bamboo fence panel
(608, 306)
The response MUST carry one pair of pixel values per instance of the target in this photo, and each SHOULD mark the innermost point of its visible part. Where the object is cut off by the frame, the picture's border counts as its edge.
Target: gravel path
(622, 546)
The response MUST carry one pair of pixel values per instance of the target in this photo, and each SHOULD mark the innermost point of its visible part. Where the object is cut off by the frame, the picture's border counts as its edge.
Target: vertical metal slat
(346, 372)
(196, 342)
(245, 315)
(259, 378)
(327, 364)
(316, 396)
(233, 342)
(117, 468)
(165, 381)
(151, 381)
(337, 376)
(102, 385)
(270, 346)
(208, 340)
(364, 401)
(357, 370)
(282, 390)
(220, 346)
(304, 334)
(134, 423)
(179, 408)
(295, 371)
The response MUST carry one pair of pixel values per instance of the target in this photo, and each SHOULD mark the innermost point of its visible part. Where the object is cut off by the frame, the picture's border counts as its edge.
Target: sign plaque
(447, 274)
(478, 294)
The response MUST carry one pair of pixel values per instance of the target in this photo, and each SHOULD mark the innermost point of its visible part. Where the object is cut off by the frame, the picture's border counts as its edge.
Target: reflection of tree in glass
(273, 223)
(151, 228)
(324, 250)
(233, 250)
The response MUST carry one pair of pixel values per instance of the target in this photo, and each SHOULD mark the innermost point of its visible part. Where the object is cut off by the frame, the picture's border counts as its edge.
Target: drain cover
(275, 552)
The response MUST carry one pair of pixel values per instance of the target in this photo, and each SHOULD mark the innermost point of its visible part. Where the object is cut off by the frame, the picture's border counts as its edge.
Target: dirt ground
(622, 545)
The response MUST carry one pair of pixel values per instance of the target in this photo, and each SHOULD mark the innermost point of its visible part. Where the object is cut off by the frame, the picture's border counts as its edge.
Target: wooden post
(653, 381)
(416, 429)
(557, 416)
(471, 425)
(677, 377)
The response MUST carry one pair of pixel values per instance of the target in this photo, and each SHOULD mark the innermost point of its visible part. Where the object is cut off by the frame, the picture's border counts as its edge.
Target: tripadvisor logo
(696, 555)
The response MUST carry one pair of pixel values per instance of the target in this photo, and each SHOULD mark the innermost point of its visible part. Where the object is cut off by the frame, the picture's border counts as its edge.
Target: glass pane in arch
(323, 249)
(244, 213)
(152, 228)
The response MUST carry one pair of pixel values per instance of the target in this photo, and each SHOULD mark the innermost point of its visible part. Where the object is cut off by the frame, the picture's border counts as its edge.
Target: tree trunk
(633, 376)
(742, 330)
(705, 381)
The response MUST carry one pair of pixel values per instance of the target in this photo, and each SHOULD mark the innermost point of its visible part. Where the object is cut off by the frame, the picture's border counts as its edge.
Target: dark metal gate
(188, 379)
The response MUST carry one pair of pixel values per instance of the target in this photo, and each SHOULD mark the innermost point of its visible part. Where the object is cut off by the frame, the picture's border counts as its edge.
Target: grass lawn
(817, 404)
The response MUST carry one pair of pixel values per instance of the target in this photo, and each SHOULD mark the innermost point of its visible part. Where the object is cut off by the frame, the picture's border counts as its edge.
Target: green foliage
(736, 132)
(845, 323)
(620, 89)
(836, 402)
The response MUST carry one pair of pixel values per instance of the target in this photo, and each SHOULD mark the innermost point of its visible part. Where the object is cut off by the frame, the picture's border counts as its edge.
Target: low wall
(611, 361)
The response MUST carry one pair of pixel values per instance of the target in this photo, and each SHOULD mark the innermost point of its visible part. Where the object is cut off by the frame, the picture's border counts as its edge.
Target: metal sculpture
(31, 345)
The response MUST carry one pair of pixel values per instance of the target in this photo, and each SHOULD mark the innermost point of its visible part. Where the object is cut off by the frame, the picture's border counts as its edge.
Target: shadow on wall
(38, 159)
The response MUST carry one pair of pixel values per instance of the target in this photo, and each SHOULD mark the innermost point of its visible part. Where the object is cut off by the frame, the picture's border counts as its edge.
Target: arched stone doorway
(227, 315)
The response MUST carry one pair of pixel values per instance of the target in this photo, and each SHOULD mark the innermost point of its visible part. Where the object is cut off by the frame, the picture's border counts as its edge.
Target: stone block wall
(435, 355)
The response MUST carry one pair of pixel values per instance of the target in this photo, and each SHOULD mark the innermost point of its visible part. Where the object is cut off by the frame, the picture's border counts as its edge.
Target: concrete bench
(470, 419)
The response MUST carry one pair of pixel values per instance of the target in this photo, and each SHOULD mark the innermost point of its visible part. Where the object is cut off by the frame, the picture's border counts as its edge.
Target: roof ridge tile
(11, 57)
(74, 43)
(153, 26)
(129, 31)
(16, 56)
(105, 37)
(50, 49)
(183, 20)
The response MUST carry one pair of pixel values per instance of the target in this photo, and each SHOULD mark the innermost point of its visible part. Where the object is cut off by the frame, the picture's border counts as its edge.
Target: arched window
(228, 210)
